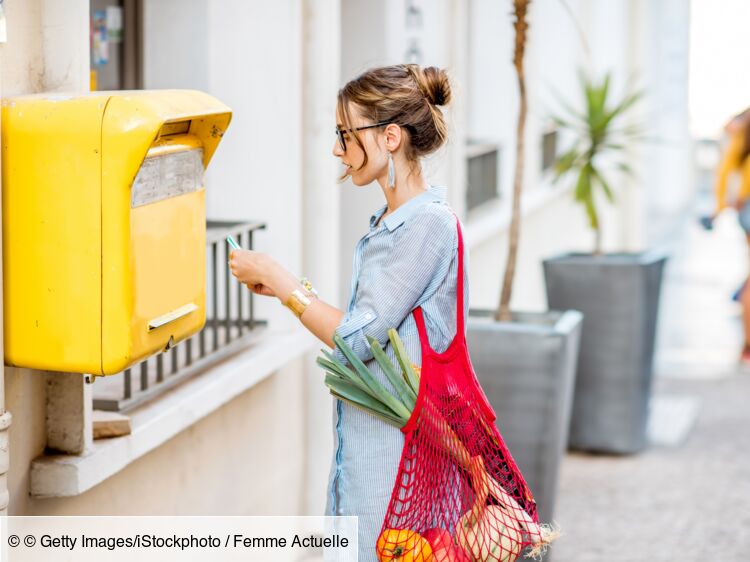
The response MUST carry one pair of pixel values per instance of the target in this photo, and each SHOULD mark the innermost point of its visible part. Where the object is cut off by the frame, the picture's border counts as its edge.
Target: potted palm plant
(618, 293)
(526, 362)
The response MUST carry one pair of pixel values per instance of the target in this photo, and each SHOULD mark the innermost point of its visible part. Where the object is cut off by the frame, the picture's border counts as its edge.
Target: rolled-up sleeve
(353, 329)
(419, 258)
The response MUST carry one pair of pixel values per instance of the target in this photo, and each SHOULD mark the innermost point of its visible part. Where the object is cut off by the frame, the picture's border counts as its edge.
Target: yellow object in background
(104, 225)
(732, 161)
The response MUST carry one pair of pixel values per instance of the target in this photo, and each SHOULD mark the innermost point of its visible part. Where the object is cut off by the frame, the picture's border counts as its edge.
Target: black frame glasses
(340, 132)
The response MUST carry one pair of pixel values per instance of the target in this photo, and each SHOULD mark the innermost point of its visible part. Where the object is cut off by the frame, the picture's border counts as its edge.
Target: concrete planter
(619, 297)
(527, 370)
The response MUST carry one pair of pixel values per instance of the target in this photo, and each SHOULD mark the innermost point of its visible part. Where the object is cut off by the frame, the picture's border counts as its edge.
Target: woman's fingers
(245, 266)
(254, 269)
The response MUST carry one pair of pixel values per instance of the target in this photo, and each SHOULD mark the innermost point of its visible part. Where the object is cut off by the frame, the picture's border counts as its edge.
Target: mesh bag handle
(458, 494)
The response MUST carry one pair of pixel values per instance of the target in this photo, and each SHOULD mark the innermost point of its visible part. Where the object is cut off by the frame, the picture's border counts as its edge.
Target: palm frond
(595, 129)
(603, 183)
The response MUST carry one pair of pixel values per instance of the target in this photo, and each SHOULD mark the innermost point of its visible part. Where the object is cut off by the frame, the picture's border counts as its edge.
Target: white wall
(492, 89)
(255, 67)
(718, 50)
(175, 44)
(248, 55)
(47, 48)
(663, 59)
(556, 226)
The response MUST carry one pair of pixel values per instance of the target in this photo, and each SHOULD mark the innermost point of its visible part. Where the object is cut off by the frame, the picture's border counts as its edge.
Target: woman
(387, 120)
(735, 159)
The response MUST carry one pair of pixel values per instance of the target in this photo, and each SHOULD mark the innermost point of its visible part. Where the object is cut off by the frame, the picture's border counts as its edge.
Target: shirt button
(368, 315)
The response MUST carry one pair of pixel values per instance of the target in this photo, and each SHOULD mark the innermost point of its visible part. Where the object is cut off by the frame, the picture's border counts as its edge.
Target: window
(115, 40)
(549, 149)
(482, 169)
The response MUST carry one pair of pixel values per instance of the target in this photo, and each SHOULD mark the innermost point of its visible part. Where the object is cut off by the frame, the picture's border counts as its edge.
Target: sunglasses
(341, 132)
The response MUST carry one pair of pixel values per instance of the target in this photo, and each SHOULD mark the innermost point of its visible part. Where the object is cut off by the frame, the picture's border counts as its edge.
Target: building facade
(252, 433)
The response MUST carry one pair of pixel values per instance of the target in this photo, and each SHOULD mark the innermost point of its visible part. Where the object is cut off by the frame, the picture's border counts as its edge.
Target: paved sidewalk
(687, 498)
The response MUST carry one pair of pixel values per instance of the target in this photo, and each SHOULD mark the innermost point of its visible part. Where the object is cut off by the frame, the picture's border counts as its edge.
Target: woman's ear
(393, 137)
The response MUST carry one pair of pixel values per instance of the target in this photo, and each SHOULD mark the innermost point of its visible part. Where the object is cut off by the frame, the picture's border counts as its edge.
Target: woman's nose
(337, 148)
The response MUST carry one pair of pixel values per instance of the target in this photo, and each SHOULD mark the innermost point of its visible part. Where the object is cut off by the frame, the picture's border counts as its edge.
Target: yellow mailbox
(104, 225)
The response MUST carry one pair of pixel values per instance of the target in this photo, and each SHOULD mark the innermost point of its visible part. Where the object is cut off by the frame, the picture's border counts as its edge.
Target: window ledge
(494, 217)
(156, 422)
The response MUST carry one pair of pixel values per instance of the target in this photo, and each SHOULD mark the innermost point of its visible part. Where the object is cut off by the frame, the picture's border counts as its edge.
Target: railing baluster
(252, 295)
(202, 334)
(215, 295)
(240, 289)
(151, 383)
(144, 375)
(189, 351)
(227, 304)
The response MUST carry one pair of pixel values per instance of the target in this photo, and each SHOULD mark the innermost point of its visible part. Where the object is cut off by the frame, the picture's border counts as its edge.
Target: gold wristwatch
(305, 282)
(297, 302)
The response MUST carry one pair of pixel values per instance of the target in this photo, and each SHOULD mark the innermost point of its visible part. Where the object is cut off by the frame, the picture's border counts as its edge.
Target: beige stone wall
(245, 459)
(25, 398)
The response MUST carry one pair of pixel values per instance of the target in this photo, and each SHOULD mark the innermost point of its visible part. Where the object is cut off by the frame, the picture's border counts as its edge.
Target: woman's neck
(406, 188)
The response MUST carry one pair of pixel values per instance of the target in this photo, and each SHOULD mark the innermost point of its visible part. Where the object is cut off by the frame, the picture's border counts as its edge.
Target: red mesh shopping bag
(458, 494)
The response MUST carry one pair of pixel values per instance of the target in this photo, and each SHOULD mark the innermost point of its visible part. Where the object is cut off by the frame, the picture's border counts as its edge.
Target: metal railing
(230, 326)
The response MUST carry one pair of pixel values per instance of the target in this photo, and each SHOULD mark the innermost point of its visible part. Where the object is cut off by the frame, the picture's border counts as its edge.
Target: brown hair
(406, 95)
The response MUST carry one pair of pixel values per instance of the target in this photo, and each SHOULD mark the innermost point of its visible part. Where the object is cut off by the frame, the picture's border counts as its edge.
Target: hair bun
(437, 86)
(406, 94)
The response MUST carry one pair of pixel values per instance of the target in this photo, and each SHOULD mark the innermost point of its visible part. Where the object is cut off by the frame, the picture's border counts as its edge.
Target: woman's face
(354, 156)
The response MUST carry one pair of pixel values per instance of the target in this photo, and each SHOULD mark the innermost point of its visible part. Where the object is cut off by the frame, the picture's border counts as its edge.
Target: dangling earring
(391, 172)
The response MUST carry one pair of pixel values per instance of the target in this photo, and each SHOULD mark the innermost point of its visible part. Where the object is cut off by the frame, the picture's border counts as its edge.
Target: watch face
(305, 282)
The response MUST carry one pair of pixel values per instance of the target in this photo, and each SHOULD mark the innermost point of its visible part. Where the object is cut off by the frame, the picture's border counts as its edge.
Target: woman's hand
(250, 268)
(260, 289)
(261, 274)
(264, 276)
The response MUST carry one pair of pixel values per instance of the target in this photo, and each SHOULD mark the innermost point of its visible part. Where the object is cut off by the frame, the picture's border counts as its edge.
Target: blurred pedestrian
(735, 160)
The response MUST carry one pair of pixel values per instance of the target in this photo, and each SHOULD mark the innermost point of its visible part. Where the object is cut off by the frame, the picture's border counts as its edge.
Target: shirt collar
(406, 210)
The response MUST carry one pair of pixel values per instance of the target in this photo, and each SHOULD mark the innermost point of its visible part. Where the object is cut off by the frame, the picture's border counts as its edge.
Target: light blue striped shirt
(398, 269)
(410, 259)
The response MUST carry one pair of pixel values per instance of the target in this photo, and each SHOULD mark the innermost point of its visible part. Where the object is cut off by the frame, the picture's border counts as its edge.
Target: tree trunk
(503, 312)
